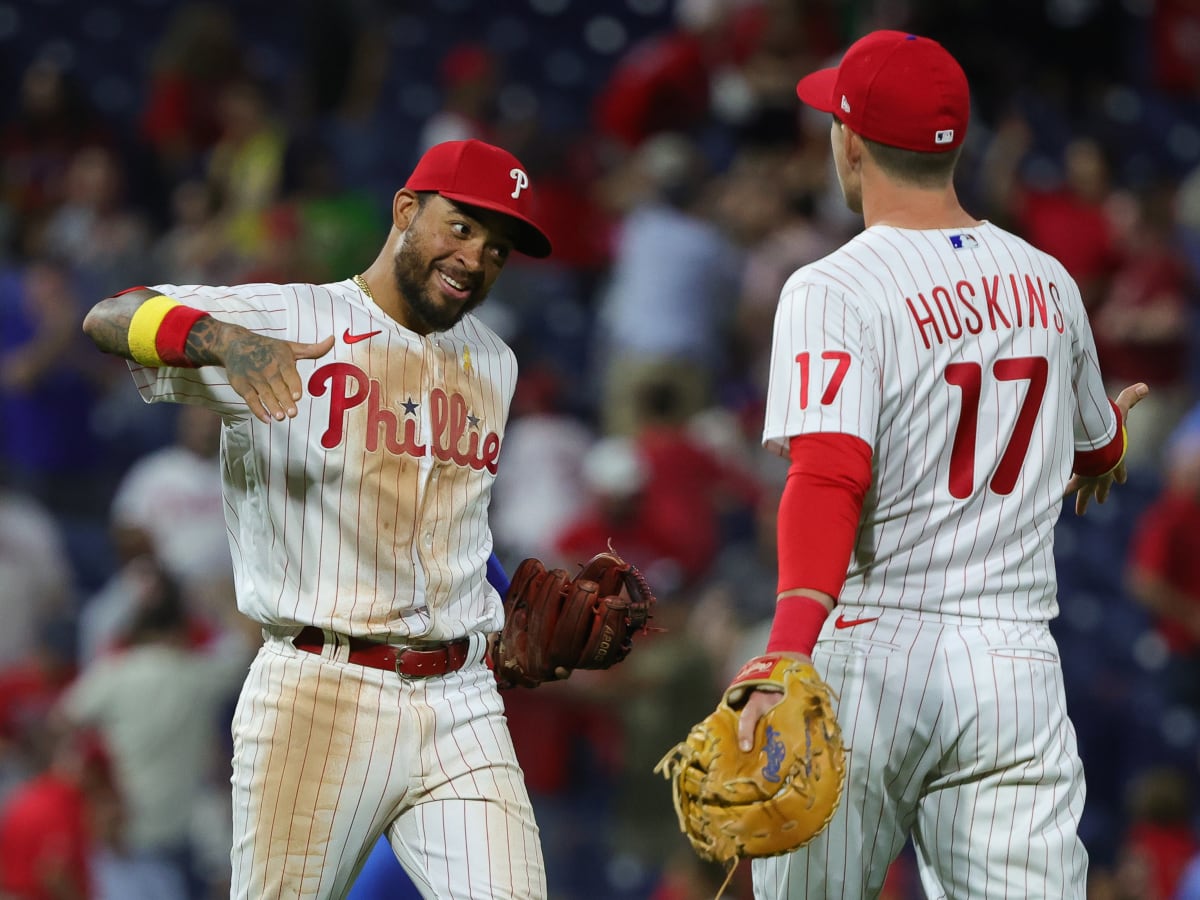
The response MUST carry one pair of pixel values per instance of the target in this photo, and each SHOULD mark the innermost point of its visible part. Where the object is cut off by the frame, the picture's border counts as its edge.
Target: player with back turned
(935, 385)
(362, 427)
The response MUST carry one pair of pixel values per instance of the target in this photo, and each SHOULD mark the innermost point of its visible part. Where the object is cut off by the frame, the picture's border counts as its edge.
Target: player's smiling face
(447, 260)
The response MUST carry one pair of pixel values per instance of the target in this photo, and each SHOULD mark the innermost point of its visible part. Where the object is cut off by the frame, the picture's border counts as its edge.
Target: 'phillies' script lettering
(1019, 302)
(451, 441)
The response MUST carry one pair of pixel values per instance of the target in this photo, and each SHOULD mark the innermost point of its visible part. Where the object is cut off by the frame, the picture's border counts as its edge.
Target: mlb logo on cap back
(896, 89)
(480, 174)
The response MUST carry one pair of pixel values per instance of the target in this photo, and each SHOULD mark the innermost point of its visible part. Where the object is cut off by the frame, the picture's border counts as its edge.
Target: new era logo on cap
(897, 89)
(479, 174)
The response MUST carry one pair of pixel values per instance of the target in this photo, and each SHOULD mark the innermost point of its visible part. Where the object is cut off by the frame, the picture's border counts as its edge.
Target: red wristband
(171, 339)
(1094, 463)
(797, 625)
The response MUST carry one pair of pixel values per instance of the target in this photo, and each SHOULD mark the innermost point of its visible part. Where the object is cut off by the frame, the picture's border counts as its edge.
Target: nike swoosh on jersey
(843, 622)
(355, 338)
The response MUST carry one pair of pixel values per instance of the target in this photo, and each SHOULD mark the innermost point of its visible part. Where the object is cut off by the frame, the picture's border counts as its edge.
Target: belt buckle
(402, 649)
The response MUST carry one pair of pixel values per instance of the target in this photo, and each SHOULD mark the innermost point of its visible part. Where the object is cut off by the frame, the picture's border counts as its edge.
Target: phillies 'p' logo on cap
(476, 173)
(522, 180)
(895, 88)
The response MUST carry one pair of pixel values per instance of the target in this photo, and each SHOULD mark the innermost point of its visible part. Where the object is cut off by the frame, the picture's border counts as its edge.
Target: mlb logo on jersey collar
(963, 241)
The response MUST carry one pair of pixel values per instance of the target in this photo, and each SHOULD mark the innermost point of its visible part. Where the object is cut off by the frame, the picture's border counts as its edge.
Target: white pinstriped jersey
(367, 513)
(957, 355)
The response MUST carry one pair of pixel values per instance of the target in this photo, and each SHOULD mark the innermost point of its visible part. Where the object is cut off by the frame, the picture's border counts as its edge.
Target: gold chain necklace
(364, 287)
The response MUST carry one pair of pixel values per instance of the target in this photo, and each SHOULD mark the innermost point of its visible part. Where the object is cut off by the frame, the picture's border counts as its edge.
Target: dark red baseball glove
(554, 623)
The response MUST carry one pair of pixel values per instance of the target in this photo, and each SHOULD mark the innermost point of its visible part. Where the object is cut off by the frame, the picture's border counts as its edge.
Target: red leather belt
(410, 661)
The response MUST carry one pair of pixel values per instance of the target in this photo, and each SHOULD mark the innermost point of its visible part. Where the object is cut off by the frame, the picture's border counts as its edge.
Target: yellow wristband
(143, 330)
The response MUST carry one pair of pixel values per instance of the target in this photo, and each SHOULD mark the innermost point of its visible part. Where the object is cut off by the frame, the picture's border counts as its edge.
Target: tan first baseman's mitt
(779, 795)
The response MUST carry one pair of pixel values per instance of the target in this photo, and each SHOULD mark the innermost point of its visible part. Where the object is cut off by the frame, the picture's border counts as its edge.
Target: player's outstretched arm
(1085, 487)
(261, 369)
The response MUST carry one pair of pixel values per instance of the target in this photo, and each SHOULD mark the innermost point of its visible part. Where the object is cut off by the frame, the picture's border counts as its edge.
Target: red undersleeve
(820, 509)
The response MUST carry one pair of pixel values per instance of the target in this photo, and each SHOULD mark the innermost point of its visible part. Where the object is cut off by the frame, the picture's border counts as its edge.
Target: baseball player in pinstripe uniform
(934, 383)
(363, 420)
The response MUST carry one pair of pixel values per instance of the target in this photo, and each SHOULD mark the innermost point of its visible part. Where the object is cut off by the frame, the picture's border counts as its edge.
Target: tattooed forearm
(206, 340)
(107, 324)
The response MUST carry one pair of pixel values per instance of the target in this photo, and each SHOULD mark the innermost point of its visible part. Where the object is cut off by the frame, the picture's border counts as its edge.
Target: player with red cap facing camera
(363, 420)
(934, 383)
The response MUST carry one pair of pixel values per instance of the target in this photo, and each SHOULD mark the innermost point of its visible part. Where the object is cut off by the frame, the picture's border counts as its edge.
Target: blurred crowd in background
(151, 141)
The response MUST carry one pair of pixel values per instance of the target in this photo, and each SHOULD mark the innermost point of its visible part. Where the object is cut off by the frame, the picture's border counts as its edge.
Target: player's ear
(852, 148)
(405, 206)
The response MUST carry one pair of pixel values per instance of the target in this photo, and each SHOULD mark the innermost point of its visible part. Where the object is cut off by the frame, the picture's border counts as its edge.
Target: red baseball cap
(897, 89)
(479, 174)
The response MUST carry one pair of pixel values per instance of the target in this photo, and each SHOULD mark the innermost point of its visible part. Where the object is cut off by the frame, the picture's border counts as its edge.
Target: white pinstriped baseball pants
(328, 755)
(957, 732)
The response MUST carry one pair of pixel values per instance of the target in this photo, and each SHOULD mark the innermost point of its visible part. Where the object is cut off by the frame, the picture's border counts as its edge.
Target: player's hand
(263, 371)
(1086, 487)
(757, 702)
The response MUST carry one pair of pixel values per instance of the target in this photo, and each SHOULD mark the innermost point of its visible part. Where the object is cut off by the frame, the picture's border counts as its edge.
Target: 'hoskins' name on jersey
(451, 423)
(995, 302)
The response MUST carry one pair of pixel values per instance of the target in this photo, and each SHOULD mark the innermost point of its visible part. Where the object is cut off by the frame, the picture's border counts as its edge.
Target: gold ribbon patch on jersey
(467, 359)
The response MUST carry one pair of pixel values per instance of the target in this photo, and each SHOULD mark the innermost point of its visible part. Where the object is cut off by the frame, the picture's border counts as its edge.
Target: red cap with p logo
(476, 173)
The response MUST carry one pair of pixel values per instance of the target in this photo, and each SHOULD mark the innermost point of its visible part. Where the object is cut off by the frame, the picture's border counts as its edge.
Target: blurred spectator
(51, 124)
(159, 705)
(207, 593)
(1067, 216)
(775, 184)
(658, 694)
(192, 248)
(1161, 839)
(539, 485)
(52, 826)
(1143, 324)
(200, 52)
(29, 690)
(778, 42)
(169, 505)
(673, 286)
(246, 165)
(661, 496)
(46, 392)
(566, 741)
(469, 77)
(666, 82)
(349, 56)
(1175, 60)
(94, 229)
(1164, 561)
(690, 489)
(36, 579)
(336, 224)
(740, 590)
(341, 42)
(617, 514)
